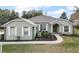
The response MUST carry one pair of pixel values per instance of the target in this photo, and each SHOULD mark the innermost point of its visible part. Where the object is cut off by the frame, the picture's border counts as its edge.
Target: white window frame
(43, 26)
(39, 27)
(9, 30)
(27, 30)
(46, 27)
(68, 29)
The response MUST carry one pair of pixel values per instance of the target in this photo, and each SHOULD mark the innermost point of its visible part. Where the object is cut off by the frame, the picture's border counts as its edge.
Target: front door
(55, 28)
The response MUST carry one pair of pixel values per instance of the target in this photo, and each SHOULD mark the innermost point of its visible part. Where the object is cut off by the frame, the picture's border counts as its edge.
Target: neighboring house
(75, 22)
(27, 28)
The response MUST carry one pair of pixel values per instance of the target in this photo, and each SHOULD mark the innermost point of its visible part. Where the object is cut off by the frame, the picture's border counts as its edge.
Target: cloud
(19, 9)
(71, 8)
(60, 11)
(56, 13)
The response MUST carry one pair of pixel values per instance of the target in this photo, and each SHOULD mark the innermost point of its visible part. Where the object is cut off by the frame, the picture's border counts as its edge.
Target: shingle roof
(42, 19)
(48, 19)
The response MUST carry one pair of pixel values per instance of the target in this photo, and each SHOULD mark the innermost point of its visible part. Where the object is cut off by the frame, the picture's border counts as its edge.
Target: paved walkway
(59, 40)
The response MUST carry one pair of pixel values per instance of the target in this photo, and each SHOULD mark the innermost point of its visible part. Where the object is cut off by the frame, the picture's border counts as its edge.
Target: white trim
(39, 27)
(8, 30)
(46, 27)
(15, 31)
(64, 29)
(22, 31)
(69, 28)
(51, 28)
(26, 20)
(60, 28)
(28, 31)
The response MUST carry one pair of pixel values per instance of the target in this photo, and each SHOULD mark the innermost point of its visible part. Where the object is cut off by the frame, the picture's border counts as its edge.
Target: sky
(54, 11)
(52, 8)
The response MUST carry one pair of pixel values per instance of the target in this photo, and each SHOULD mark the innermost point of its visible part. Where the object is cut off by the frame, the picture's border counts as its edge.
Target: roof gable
(20, 19)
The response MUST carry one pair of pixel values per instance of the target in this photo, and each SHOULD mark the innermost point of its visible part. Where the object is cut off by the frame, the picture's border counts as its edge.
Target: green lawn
(70, 44)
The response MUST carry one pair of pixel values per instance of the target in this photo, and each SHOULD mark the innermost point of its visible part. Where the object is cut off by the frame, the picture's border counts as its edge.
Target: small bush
(45, 34)
(77, 27)
(18, 37)
(38, 34)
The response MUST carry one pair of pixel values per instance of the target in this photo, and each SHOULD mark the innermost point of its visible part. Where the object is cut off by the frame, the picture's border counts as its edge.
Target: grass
(70, 45)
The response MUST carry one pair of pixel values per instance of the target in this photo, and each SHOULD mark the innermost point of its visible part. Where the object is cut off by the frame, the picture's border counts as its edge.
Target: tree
(31, 13)
(63, 16)
(7, 15)
(24, 14)
(14, 15)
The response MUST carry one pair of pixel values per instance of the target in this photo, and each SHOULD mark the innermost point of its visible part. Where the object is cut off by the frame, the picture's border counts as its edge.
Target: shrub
(50, 35)
(38, 34)
(18, 37)
(45, 34)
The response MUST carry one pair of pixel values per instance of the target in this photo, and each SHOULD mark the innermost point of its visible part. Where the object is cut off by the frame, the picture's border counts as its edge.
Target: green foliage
(45, 34)
(31, 13)
(18, 37)
(77, 27)
(63, 16)
(7, 15)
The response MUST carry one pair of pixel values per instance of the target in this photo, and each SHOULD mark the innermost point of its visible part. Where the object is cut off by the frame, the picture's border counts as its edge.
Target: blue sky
(52, 8)
(54, 11)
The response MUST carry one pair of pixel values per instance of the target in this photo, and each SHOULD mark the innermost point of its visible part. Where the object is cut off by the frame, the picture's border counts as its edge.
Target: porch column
(51, 28)
(46, 27)
(60, 28)
(39, 27)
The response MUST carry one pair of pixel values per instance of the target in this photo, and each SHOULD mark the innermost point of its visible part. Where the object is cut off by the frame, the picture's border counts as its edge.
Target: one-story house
(27, 28)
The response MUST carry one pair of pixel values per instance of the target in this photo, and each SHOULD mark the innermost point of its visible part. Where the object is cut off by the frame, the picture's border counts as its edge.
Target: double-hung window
(25, 31)
(12, 31)
(66, 28)
(43, 27)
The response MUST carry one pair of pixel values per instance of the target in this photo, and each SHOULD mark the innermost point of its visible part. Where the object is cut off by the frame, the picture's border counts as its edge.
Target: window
(43, 27)
(25, 30)
(12, 31)
(66, 28)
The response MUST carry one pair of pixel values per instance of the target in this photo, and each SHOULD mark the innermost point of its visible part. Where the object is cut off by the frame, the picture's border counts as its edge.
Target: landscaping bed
(40, 36)
(45, 36)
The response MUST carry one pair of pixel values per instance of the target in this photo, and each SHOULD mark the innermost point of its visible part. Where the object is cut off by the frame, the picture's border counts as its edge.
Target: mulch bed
(53, 38)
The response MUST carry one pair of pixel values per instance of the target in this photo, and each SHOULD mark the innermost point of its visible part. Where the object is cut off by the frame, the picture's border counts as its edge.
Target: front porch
(51, 28)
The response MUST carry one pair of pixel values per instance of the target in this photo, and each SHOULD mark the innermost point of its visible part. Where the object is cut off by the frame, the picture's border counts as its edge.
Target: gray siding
(19, 25)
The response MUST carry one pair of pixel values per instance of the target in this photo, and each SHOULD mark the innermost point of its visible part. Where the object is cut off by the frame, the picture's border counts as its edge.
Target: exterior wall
(70, 29)
(61, 26)
(40, 23)
(19, 25)
(49, 28)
